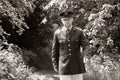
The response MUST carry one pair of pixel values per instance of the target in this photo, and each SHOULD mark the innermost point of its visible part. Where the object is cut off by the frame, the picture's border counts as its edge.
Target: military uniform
(66, 55)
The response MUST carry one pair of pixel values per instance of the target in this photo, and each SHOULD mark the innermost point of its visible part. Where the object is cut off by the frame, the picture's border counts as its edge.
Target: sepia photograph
(59, 39)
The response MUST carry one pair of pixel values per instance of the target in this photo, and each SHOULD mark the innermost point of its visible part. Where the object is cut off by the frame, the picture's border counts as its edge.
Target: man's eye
(66, 19)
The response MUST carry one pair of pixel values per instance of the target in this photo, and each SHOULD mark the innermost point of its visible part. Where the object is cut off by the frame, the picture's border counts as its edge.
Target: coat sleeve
(55, 52)
(84, 43)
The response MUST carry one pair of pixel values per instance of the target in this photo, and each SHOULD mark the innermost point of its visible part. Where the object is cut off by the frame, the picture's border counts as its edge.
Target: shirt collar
(64, 28)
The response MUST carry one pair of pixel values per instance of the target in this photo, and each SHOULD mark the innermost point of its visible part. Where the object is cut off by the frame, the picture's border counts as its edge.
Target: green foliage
(40, 32)
(12, 66)
(101, 28)
(102, 31)
(103, 67)
(12, 14)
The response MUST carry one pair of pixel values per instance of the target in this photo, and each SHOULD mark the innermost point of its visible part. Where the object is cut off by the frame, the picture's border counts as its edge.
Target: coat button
(70, 54)
(68, 44)
(69, 49)
(77, 40)
(68, 40)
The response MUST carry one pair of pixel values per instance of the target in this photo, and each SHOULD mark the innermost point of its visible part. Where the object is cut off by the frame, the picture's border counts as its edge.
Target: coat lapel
(66, 36)
(72, 31)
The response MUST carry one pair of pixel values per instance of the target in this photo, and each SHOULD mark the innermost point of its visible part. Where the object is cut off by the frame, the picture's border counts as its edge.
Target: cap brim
(66, 14)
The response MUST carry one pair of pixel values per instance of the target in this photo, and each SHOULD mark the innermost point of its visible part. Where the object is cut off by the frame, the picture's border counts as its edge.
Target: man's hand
(56, 70)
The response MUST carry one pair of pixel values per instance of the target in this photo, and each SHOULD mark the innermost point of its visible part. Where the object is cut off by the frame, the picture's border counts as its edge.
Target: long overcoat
(66, 55)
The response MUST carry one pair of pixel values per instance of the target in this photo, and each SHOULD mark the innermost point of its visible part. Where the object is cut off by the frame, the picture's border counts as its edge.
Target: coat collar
(64, 28)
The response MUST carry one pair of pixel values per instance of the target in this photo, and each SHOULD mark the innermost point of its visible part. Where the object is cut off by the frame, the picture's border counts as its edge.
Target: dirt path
(44, 75)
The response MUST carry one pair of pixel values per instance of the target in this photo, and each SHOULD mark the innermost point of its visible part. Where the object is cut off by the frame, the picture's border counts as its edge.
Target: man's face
(67, 22)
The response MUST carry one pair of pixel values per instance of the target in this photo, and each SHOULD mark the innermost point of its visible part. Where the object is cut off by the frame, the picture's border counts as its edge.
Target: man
(66, 54)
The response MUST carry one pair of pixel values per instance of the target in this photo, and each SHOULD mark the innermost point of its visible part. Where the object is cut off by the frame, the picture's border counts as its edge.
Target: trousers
(71, 77)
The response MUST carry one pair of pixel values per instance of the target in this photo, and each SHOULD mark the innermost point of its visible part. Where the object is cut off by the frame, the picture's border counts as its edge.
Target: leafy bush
(102, 31)
(12, 25)
(14, 15)
(12, 65)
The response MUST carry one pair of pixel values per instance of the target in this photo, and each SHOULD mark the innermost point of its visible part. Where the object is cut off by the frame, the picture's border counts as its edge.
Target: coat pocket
(63, 58)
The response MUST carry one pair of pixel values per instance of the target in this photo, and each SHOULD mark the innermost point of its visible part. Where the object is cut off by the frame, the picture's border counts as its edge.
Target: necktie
(67, 32)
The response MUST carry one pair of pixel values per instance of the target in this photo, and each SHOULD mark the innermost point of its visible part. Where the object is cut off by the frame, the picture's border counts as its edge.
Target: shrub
(12, 65)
